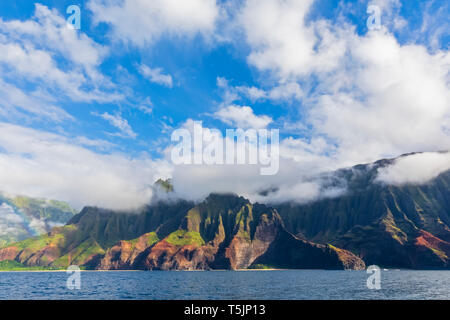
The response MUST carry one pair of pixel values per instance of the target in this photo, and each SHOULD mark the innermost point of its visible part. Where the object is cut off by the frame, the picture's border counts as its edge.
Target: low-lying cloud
(42, 164)
(418, 168)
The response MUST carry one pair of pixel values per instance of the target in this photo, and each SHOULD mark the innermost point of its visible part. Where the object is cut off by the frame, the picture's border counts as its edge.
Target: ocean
(228, 285)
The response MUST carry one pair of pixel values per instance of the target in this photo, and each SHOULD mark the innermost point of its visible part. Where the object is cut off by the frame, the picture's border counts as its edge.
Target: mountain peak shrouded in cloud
(413, 169)
(390, 226)
(86, 116)
(418, 168)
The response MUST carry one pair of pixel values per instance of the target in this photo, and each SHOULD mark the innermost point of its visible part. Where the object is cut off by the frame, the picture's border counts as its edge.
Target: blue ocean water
(230, 285)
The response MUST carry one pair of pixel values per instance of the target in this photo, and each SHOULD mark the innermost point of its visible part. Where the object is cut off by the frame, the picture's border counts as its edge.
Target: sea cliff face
(404, 226)
(237, 236)
(223, 232)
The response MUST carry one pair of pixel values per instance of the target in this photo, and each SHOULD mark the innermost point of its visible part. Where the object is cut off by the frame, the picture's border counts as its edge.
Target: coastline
(215, 270)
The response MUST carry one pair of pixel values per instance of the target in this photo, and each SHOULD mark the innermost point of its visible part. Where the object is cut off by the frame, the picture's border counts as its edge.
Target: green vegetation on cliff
(151, 238)
(11, 265)
(183, 238)
(80, 255)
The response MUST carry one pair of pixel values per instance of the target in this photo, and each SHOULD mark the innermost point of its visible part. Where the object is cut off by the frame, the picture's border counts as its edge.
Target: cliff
(404, 226)
(222, 232)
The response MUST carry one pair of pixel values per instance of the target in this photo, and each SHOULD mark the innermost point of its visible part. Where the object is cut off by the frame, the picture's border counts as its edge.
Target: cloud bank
(360, 97)
(41, 164)
(372, 98)
(418, 168)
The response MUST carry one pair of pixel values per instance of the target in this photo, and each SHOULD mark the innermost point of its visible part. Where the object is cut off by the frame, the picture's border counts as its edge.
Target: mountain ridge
(404, 226)
(223, 232)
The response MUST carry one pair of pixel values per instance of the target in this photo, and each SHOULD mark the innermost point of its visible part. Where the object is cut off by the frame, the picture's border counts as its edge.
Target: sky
(86, 115)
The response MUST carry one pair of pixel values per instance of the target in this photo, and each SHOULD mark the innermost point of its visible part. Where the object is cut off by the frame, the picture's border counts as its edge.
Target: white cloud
(11, 223)
(242, 117)
(290, 91)
(389, 13)
(33, 83)
(300, 164)
(49, 28)
(44, 165)
(8, 214)
(372, 96)
(143, 22)
(14, 102)
(297, 180)
(418, 168)
(31, 50)
(388, 100)
(98, 144)
(287, 91)
(282, 43)
(145, 109)
(156, 75)
(120, 123)
(38, 65)
(364, 97)
(146, 106)
(252, 93)
(435, 25)
(229, 94)
(37, 225)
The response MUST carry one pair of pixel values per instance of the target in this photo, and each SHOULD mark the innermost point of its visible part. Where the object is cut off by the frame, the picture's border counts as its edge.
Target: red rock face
(270, 245)
(426, 239)
(8, 253)
(117, 257)
(242, 252)
(433, 248)
(349, 260)
(125, 255)
(41, 257)
(44, 257)
(238, 250)
(224, 232)
(166, 256)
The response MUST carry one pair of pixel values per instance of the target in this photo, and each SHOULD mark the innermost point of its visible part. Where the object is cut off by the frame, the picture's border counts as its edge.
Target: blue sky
(137, 70)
